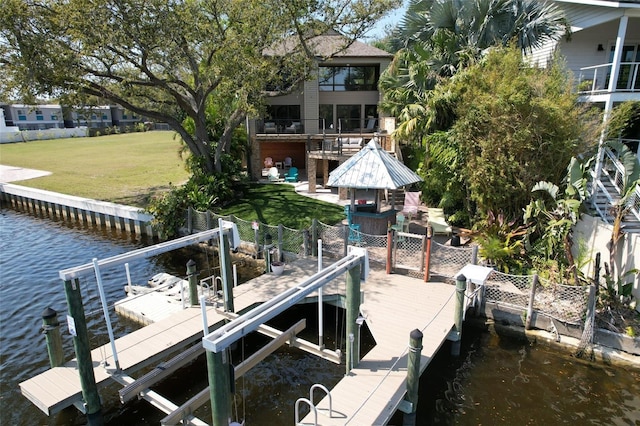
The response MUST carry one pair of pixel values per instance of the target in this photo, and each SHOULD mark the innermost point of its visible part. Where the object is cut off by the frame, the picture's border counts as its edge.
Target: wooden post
(353, 310)
(346, 239)
(51, 330)
(532, 296)
(219, 387)
(413, 376)
(83, 353)
(193, 282)
(225, 268)
(474, 255)
(389, 245)
(427, 255)
(461, 286)
(280, 242)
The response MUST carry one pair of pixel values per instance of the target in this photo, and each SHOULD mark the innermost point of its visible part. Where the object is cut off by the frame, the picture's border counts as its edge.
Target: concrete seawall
(69, 207)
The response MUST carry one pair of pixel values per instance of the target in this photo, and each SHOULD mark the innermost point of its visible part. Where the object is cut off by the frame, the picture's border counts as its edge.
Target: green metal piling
(219, 387)
(413, 376)
(353, 310)
(461, 286)
(227, 276)
(193, 283)
(51, 330)
(83, 353)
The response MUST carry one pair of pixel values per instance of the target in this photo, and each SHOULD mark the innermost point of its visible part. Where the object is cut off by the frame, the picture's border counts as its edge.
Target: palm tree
(438, 37)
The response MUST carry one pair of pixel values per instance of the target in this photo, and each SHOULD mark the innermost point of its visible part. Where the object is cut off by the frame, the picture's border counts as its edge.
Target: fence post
(596, 273)
(461, 286)
(190, 220)
(314, 237)
(474, 255)
(389, 244)
(532, 296)
(51, 330)
(193, 282)
(413, 376)
(280, 242)
(346, 238)
(427, 255)
(225, 268)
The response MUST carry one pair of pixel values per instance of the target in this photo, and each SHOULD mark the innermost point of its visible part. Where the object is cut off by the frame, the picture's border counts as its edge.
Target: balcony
(594, 85)
(297, 126)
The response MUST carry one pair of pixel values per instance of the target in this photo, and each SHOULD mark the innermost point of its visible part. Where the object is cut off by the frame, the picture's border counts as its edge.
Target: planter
(277, 268)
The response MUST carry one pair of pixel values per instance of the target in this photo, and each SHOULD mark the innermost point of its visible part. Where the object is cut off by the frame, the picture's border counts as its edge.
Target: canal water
(496, 380)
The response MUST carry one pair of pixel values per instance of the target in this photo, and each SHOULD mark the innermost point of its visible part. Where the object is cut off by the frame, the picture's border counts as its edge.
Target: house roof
(331, 44)
(372, 168)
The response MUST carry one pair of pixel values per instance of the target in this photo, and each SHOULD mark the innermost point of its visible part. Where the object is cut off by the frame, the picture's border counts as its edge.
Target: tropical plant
(501, 244)
(551, 216)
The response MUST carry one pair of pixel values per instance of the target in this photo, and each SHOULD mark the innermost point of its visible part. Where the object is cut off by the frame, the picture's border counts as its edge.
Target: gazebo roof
(372, 168)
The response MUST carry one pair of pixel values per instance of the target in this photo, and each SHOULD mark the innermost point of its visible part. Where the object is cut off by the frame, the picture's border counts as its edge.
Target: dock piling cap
(49, 313)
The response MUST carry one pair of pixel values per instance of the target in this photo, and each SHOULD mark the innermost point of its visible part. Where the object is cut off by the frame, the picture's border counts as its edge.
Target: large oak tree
(164, 59)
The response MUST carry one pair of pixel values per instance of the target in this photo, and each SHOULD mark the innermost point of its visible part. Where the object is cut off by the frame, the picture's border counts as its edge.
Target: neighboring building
(33, 117)
(604, 54)
(41, 117)
(341, 102)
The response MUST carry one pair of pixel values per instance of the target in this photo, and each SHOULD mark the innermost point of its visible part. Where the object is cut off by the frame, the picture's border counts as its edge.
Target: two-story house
(603, 52)
(330, 116)
(33, 117)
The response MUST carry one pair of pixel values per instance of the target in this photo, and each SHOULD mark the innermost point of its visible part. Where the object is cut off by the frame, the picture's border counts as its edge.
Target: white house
(33, 117)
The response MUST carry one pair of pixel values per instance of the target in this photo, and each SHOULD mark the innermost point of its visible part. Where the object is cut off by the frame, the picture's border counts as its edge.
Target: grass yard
(125, 168)
(279, 203)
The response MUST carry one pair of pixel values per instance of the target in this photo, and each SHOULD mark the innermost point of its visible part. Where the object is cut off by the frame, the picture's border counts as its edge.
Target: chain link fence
(557, 301)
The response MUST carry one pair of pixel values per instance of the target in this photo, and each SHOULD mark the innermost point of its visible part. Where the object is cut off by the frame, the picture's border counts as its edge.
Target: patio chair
(437, 222)
(288, 162)
(355, 236)
(401, 226)
(268, 163)
(274, 175)
(292, 175)
(411, 203)
(270, 127)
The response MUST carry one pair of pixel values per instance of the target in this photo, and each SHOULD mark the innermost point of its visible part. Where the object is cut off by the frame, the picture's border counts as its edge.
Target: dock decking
(393, 306)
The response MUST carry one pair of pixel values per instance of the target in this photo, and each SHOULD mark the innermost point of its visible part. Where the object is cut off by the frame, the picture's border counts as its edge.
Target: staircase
(607, 194)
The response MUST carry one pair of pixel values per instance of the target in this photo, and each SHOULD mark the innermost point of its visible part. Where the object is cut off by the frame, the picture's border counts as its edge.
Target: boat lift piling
(413, 377)
(226, 271)
(78, 328)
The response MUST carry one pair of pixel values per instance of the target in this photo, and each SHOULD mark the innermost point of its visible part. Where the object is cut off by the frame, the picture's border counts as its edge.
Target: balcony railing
(320, 126)
(595, 79)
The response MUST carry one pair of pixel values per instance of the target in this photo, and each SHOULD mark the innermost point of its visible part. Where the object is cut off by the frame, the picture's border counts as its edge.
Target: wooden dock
(393, 306)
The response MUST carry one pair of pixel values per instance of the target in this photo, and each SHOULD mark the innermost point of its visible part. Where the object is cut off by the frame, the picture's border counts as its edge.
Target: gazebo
(372, 168)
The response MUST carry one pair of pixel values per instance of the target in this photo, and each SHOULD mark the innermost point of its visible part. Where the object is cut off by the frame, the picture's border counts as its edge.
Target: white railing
(595, 79)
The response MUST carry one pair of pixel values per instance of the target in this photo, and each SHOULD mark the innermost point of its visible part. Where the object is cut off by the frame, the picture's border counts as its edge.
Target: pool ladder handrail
(312, 406)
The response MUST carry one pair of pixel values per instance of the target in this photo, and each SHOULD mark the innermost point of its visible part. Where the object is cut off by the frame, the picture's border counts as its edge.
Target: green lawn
(274, 204)
(125, 168)
(130, 168)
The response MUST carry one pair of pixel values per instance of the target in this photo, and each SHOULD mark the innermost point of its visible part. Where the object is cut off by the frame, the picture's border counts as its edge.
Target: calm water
(495, 381)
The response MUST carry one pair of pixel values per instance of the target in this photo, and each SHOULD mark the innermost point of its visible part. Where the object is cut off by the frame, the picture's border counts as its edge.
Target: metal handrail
(602, 85)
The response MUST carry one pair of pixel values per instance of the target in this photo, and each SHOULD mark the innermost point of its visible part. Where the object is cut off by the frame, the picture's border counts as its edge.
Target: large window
(348, 117)
(348, 78)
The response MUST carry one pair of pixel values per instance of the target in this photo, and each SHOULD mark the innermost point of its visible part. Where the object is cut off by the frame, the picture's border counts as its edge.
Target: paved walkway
(13, 174)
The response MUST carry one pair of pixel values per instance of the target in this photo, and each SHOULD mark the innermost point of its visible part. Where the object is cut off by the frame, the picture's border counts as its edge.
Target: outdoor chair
(355, 236)
(411, 203)
(292, 175)
(437, 222)
(400, 226)
(274, 175)
(270, 127)
(288, 162)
